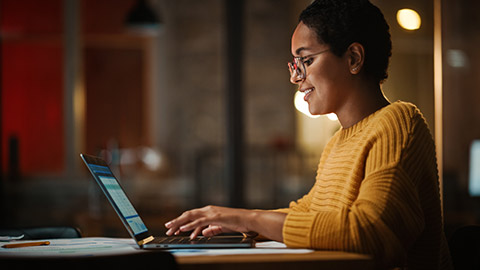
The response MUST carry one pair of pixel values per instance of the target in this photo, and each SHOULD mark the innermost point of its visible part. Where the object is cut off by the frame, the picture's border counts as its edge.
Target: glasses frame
(297, 66)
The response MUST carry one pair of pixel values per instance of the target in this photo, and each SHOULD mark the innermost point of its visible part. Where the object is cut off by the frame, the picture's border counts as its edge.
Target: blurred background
(190, 103)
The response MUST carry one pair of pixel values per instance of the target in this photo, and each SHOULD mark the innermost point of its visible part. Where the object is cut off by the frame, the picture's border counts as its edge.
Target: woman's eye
(308, 61)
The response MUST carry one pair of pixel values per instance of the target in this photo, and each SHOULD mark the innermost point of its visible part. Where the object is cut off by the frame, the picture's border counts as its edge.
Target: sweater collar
(347, 133)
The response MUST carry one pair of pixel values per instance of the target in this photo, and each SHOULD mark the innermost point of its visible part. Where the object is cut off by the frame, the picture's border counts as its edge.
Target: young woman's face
(327, 75)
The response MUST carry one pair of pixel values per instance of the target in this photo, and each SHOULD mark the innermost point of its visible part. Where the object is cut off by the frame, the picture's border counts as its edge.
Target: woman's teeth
(308, 91)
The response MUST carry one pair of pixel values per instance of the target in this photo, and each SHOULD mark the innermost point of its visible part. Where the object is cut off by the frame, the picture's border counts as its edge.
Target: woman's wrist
(251, 219)
(266, 223)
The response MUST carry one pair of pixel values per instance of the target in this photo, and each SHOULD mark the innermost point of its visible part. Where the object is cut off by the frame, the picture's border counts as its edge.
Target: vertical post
(234, 102)
(438, 87)
(2, 183)
(73, 88)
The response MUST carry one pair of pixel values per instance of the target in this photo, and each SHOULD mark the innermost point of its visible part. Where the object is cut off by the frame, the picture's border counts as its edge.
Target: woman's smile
(307, 93)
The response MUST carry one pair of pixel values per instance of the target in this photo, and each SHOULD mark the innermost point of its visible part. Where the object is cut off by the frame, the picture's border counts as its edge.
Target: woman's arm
(213, 220)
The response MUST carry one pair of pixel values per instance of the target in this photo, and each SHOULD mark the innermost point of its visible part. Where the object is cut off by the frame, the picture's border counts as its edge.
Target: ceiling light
(409, 19)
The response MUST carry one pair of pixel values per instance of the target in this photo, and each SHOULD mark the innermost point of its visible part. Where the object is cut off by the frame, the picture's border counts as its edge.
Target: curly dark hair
(340, 23)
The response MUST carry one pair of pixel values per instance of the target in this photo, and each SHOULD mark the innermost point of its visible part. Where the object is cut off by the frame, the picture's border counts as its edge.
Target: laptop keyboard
(180, 240)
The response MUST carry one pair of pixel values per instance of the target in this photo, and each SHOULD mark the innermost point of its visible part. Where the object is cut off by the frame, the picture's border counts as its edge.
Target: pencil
(28, 244)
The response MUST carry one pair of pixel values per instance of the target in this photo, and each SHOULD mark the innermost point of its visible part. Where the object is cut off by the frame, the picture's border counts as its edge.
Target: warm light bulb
(409, 19)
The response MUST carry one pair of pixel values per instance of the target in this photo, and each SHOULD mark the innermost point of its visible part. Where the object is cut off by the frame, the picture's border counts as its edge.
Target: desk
(270, 255)
(86, 252)
(315, 260)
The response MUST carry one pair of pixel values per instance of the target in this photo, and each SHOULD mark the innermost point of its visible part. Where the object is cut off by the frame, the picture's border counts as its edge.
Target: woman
(377, 189)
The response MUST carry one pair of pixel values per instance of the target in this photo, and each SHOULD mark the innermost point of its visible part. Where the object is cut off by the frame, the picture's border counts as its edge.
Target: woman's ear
(356, 57)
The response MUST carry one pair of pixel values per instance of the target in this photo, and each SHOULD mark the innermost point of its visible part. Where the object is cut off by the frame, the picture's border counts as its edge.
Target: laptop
(134, 224)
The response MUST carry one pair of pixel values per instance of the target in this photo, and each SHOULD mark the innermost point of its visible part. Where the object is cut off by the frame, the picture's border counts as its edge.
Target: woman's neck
(363, 102)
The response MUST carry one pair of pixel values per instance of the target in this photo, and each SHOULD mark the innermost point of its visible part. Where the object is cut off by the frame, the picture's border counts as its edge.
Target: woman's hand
(213, 220)
(209, 221)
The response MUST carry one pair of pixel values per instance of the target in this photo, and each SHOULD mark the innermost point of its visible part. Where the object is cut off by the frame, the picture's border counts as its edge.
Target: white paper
(269, 247)
(10, 238)
(87, 246)
(94, 246)
(270, 244)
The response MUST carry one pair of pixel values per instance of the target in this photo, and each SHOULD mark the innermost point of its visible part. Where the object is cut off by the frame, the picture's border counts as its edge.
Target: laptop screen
(474, 170)
(123, 204)
(115, 195)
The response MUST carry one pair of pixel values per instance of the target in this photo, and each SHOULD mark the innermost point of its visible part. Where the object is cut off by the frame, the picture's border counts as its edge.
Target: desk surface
(251, 259)
(304, 261)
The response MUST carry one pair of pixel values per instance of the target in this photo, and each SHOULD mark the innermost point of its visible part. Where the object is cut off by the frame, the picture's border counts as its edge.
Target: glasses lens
(291, 68)
(297, 68)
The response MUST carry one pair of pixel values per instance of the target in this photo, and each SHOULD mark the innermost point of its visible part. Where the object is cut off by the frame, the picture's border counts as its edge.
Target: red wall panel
(32, 83)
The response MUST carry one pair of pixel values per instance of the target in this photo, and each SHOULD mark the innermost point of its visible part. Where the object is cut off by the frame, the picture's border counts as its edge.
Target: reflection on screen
(119, 198)
(474, 180)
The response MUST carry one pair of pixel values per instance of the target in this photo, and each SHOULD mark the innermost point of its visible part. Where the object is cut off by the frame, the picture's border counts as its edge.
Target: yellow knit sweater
(376, 192)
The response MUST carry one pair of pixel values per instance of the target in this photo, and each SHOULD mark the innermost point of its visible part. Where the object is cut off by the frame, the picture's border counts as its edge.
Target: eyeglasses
(297, 67)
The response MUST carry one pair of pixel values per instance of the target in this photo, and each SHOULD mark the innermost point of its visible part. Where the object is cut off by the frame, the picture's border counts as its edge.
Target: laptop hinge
(145, 241)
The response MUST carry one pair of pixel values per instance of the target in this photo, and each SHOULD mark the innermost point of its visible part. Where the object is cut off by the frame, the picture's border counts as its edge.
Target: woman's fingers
(209, 221)
(212, 230)
(174, 226)
(199, 222)
(195, 233)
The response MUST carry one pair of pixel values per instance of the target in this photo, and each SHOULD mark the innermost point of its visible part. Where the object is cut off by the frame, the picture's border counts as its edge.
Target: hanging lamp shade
(142, 18)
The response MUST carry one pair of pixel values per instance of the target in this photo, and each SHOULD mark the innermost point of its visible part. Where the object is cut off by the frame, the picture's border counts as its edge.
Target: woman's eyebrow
(299, 50)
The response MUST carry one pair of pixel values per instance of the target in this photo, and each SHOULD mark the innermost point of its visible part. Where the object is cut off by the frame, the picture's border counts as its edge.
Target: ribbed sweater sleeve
(376, 192)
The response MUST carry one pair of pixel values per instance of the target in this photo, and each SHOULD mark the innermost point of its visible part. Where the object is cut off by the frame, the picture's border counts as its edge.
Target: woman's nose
(295, 78)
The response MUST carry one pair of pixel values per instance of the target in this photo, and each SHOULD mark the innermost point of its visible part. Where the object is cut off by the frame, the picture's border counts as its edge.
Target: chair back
(36, 233)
